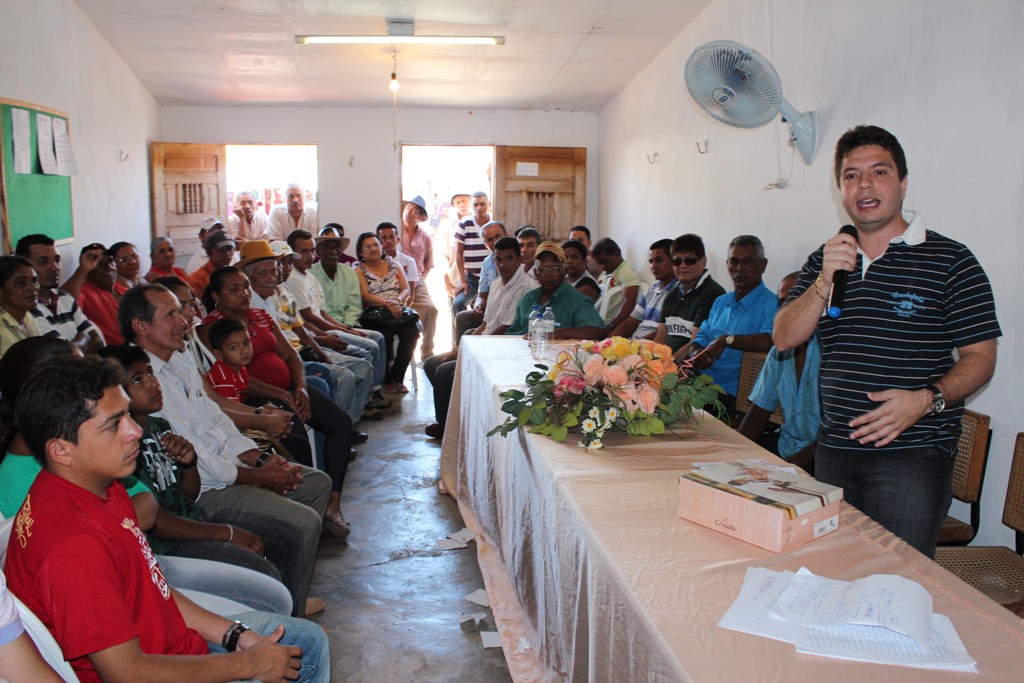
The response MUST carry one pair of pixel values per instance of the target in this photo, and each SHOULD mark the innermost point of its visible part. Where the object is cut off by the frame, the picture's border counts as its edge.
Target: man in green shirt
(575, 316)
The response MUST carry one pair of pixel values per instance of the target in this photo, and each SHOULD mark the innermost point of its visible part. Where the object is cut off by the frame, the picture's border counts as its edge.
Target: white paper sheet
(883, 600)
(479, 597)
(449, 544)
(22, 135)
(464, 535)
(44, 142)
(490, 638)
(62, 146)
(754, 612)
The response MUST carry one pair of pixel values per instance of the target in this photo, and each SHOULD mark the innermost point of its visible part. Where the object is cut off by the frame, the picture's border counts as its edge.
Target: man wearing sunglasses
(643, 322)
(687, 306)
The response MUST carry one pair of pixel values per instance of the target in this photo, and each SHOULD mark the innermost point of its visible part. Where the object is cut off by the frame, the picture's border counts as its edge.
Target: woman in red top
(162, 255)
(276, 372)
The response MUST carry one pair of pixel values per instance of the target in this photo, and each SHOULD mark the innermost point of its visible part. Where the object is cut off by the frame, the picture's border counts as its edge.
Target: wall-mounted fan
(737, 86)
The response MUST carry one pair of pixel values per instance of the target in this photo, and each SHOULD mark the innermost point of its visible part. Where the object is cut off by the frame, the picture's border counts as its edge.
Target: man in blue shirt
(789, 378)
(740, 320)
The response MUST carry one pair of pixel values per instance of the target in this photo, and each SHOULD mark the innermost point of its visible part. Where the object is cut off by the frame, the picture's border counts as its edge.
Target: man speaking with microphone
(892, 392)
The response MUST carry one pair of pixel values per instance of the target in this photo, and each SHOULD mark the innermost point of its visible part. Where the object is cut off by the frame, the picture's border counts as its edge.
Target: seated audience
(529, 240)
(88, 258)
(328, 297)
(575, 318)
(192, 311)
(351, 378)
(247, 222)
(384, 293)
(99, 298)
(472, 317)
(19, 469)
(505, 294)
(789, 378)
(619, 282)
(293, 496)
(162, 258)
(219, 251)
(81, 560)
(687, 306)
(643, 322)
(739, 321)
(277, 373)
(576, 269)
(127, 264)
(56, 312)
(206, 226)
(337, 230)
(19, 293)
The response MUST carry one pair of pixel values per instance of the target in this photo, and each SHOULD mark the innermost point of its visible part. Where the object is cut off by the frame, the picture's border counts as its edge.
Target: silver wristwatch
(938, 400)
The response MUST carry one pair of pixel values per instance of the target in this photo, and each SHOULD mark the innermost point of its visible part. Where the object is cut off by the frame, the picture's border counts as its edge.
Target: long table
(593, 577)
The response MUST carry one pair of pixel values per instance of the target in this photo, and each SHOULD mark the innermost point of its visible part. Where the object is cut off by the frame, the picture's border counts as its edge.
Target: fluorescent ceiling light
(400, 40)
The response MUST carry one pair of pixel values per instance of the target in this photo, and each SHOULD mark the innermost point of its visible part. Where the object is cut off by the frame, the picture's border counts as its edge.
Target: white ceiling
(558, 54)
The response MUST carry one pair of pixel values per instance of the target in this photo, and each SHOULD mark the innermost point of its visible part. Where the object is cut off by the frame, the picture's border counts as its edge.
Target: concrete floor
(393, 599)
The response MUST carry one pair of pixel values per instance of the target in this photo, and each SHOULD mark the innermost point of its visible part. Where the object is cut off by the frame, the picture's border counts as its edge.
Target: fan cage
(733, 84)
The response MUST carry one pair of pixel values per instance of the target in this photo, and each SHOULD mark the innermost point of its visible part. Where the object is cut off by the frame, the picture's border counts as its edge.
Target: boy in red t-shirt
(232, 348)
(79, 561)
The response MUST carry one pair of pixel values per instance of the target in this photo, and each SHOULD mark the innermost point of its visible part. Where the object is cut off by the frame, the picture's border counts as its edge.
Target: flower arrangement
(616, 383)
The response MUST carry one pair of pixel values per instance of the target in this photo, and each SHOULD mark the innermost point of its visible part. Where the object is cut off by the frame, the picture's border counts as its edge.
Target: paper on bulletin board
(22, 136)
(62, 145)
(44, 138)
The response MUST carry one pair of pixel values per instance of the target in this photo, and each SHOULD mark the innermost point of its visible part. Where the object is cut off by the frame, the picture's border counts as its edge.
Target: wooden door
(188, 184)
(541, 186)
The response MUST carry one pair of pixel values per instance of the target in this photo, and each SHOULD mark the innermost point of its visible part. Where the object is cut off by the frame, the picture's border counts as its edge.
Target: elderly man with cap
(219, 250)
(294, 215)
(338, 230)
(417, 243)
(199, 259)
(575, 316)
(260, 263)
(246, 223)
(161, 256)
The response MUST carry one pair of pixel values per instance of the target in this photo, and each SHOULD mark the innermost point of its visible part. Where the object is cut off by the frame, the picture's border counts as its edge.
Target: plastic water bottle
(533, 330)
(548, 326)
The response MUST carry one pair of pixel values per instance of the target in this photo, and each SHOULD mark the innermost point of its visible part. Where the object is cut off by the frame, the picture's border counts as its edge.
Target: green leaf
(669, 382)
(524, 415)
(654, 425)
(559, 433)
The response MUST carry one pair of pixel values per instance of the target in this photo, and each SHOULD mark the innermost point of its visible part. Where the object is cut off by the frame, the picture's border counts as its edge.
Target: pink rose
(594, 369)
(615, 375)
(648, 398)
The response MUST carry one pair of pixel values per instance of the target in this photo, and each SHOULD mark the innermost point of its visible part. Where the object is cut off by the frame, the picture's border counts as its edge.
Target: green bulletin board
(31, 202)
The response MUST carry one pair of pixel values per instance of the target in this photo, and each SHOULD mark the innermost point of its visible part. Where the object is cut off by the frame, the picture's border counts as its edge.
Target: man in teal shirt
(575, 316)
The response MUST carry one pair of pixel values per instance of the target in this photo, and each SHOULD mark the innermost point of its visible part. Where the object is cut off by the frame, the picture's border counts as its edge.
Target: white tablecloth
(585, 558)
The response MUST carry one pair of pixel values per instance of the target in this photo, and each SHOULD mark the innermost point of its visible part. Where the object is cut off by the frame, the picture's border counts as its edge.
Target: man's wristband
(262, 460)
(817, 289)
(230, 640)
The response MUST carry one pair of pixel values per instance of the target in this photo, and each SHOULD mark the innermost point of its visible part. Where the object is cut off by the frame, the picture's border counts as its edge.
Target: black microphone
(835, 298)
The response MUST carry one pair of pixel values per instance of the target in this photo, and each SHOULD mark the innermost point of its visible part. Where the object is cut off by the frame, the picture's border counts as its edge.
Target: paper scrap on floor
(757, 608)
(477, 617)
(463, 536)
(490, 638)
(479, 596)
(449, 544)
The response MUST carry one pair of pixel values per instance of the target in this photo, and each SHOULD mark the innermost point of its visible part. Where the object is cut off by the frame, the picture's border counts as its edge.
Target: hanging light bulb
(394, 85)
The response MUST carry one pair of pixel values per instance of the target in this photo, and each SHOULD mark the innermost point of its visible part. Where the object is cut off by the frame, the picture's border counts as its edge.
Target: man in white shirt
(247, 223)
(237, 478)
(420, 298)
(507, 290)
(294, 215)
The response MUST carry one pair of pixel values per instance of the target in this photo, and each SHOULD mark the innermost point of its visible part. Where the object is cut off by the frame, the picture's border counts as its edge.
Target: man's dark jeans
(907, 491)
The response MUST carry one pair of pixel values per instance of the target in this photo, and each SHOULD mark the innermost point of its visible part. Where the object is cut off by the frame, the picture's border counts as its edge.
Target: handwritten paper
(44, 142)
(757, 610)
(22, 137)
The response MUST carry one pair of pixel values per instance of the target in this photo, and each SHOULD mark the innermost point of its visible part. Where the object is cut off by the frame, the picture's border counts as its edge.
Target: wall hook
(655, 159)
(702, 151)
(122, 155)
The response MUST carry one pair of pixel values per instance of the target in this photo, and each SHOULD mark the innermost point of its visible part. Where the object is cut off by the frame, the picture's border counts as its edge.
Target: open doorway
(267, 170)
(436, 172)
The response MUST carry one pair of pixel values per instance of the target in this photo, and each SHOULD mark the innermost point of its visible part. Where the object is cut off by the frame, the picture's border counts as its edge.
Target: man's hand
(88, 260)
(280, 478)
(179, 449)
(352, 330)
(277, 423)
(271, 662)
(711, 353)
(332, 342)
(459, 289)
(840, 253)
(248, 540)
(899, 410)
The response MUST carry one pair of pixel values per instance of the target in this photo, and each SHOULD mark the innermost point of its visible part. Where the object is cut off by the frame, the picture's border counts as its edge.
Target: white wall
(51, 55)
(934, 73)
(359, 170)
